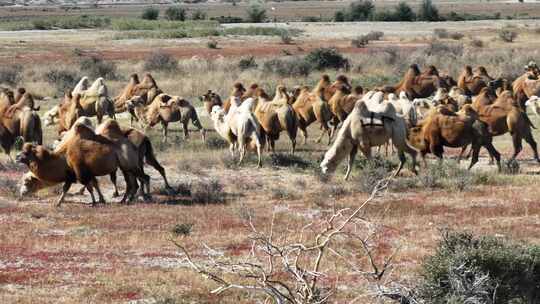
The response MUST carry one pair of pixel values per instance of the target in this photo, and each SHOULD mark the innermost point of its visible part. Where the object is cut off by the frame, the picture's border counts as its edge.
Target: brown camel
(209, 100)
(420, 85)
(23, 121)
(503, 115)
(443, 128)
(310, 107)
(342, 103)
(166, 109)
(276, 116)
(237, 91)
(147, 87)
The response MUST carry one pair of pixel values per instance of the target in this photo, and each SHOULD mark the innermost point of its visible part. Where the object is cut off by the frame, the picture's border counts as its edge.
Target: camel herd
(425, 112)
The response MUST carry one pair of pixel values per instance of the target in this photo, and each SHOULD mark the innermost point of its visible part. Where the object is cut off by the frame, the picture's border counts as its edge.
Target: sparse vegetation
(208, 192)
(10, 74)
(160, 61)
(97, 67)
(247, 63)
(327, 58)
(466, 269)
(507, 34)
(62, 79)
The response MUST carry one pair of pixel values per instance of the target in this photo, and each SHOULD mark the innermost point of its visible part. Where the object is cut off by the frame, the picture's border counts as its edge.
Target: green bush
(150, 13)
(404, 12)
(97, 67)
(256, 12)
(160, 61)
(469, 269)
(360, 10)
(327, 58)
(212, 44)
(175, 13)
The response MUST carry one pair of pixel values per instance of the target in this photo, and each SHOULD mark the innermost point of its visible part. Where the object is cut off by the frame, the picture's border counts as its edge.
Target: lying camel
(166, 109)
(502, 114)
(276, 116)
(445, 128)
(365, 129)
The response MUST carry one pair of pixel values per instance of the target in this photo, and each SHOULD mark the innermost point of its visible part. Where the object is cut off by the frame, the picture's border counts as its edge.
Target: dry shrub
(507, 35)
(477, 43)
(208, 192)
(97, 67)
(11, 74)
(160, 61)
(182, 229)
(456, 36)
(62, 79)
(440, 33)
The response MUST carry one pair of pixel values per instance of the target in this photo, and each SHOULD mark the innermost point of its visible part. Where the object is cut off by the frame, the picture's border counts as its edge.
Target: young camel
(365, 129)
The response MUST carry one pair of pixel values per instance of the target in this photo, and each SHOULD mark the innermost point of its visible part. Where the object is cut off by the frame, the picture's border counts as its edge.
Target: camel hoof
(116, 194)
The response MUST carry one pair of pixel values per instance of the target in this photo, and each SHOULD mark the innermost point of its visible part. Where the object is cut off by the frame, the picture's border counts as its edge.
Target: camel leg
(186, 130)
(463, 149)
(530, 140)
(494, 154)
(231, 149)
(402, 161)
(152, 161)
(113, 180)
(65, 189)
(273, 145)
(516, 140)
(334, 127)
(303, 130)
(259, 154)
(352, 155)
(90, 189)
(164, 126)
(242, 150)
(95, 184)
(475, 152)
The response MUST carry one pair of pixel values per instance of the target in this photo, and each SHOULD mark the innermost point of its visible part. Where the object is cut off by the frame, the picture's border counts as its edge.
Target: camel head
(238, 90)
(135, 102)
(468, 70)
(28, 154)
(481, 70)
(29, 184)
(19, 94)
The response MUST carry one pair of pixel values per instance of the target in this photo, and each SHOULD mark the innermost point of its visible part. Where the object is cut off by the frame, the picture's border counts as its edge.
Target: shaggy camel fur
(444, 128)
(147, 88)
(89, 155)
(471, 83)
(442, 98)
(502, 114)
(420, 85)
(166, 109)
(23, 121)
(138, 139)
(209, 100)
(22, 100)
(96, 102)
(51, 115)
(46, 167)
(240, 128)
(365, 129)
(276, 116)
(310, 107)
(526, 86)
(81, 86)
(342, 103)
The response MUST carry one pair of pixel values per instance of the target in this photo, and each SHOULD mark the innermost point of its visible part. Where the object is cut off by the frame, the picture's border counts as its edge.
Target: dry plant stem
(304, 287)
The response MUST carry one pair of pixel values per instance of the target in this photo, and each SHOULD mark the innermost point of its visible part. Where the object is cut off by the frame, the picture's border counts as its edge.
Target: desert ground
(125, 253)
